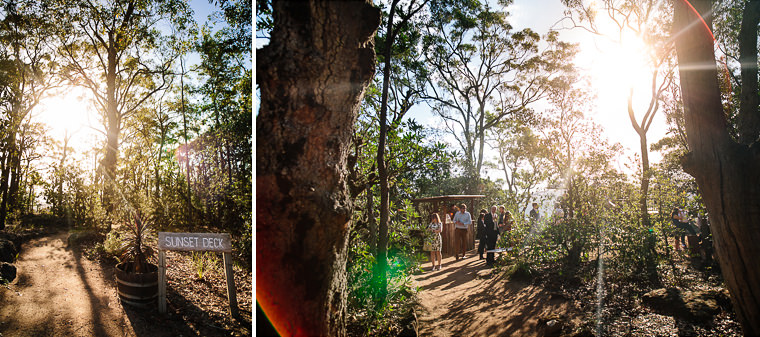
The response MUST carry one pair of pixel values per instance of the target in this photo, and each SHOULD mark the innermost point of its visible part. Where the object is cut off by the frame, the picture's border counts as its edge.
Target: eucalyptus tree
(312, 76)
(571, 141)
(32, 137)
(482, 72)
(226, 100)
(405, 96)
(649, 22)
(116, 50)
(580, 161)
(521, 158)
(28, 69)
(673, 145)
(735, 22)
(724, 167)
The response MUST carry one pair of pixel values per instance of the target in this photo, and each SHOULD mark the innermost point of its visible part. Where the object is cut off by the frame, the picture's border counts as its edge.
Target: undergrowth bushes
(366, 316)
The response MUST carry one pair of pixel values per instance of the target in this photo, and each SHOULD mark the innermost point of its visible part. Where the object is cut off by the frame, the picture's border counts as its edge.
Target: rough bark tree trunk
(3, 187)
(726, 172)
(312, 76)
(13, 199)
(6, 174)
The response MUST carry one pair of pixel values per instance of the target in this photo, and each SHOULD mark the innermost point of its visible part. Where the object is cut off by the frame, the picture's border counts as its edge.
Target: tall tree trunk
(184, 133)
(6, 173)
(371, 220)
(726, 172)
(228, 153)
(381, 265)
(644, 209)
(312, 76)
(13, 200)
(16, 171)
(650, 243)
(113, 123)
(158, 163)
(481, 144)
(61, 174)
(4, 186)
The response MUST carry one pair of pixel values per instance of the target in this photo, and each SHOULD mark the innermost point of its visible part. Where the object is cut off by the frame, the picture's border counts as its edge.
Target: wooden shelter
(442, 205)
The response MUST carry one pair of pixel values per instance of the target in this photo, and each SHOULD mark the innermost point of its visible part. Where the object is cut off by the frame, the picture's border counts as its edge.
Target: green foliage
(113, 244)
(203, 262)
(522, 159)
(411, 158)
(27, 73)
(73, 197)
(135, 251)
(365, 317)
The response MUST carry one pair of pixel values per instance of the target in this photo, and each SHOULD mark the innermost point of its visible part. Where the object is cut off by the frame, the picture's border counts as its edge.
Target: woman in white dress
(433, 238)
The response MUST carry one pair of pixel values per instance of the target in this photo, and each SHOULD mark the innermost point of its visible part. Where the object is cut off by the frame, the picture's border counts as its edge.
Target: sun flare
(619, 67)
(616, 65)
(67, 113)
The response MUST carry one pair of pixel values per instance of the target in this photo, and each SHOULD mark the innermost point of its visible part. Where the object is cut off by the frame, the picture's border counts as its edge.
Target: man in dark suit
(481, 233)
(491, 221)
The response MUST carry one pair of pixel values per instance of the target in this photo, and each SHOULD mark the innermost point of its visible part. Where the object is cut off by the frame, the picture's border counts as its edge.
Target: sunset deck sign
(212, 242)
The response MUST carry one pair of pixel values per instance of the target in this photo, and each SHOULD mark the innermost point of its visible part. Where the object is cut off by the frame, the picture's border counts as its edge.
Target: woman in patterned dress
(434, 239)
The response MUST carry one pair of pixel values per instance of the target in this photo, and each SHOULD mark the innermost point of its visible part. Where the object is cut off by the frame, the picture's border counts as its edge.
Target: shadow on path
(467, 299)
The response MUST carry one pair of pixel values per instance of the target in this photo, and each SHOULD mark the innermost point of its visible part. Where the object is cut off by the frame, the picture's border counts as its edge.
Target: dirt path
(457, 301)
(57, 292)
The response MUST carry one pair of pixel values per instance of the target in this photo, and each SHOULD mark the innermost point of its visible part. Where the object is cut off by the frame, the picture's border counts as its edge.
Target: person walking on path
(559, 213)
(534, 215)
(462, 221)
(508, 222)
(491, 221)
(481, 233)
(502, 214)
(434, 240)
(679, 221)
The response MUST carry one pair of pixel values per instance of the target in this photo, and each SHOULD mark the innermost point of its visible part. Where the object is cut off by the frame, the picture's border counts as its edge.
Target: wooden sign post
(213, 242)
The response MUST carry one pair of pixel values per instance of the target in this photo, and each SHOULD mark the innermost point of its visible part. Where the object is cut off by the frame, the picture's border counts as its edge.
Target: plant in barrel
(135, 252)
(136, 278)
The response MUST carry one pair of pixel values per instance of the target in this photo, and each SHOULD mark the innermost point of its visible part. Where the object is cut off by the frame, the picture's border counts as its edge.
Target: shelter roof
(448, 197)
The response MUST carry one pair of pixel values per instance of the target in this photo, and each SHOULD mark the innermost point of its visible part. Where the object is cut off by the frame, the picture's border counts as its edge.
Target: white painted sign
(215, 242)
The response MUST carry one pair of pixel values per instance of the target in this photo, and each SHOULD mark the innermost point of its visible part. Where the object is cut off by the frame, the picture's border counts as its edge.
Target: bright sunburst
(615, 64)
(68, 113)
(618, 67)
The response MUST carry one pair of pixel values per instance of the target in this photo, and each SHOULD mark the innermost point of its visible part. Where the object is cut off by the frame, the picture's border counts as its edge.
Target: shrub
(112, 245)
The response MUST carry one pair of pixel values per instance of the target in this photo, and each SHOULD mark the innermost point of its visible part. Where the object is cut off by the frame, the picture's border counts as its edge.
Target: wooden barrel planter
(137, 289)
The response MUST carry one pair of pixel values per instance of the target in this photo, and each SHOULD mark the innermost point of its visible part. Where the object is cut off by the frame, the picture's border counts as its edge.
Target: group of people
(490, 226)
(433, 241)
(498, 221)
